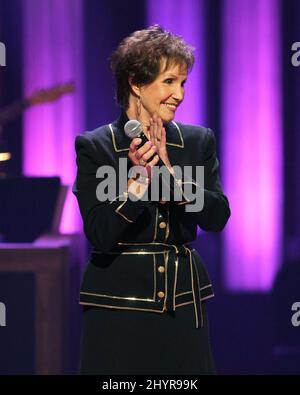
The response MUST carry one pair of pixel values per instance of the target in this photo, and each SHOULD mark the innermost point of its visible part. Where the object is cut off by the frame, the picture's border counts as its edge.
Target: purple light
(186, 18)
(53, 54)
(252, 142)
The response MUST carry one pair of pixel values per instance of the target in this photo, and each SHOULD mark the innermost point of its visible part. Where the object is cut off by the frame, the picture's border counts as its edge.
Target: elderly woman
(144, 288)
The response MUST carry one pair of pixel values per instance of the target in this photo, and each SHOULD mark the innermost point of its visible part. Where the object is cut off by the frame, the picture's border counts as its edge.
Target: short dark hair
(140, 55)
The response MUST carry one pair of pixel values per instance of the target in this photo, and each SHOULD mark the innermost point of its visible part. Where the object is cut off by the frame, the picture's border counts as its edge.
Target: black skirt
(116, 341)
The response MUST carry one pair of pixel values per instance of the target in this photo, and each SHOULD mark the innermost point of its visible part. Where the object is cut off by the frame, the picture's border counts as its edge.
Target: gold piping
(124, 217)
(190, 182)
(119, 307)
(117, 297)
(181, 138)
(114, 141)
(186, 200)
(183, 304)
(196, 270)
(206, 286)
(129, 253)
(166, 280)
(119, 207)
(133, 298)
(168, 226)
(175, 281)
(194, 299)
(152, 243)
(207, 297)
(154, 272)
(156, 220)
(123, 194)
(183, 293)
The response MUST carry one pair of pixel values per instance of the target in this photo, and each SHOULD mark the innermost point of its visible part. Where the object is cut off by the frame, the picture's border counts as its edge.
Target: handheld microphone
(133, 129)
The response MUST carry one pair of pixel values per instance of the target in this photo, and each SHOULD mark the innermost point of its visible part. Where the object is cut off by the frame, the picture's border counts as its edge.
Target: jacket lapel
(121, 142)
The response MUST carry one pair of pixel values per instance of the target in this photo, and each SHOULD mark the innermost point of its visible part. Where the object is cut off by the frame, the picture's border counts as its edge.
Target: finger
(163, 140)
(153, 162)
(151, 130)
(133, 158)
(159, 129)
(141, 151)
(149, 153)
(137, 141)
(134, 144)
(155, 130)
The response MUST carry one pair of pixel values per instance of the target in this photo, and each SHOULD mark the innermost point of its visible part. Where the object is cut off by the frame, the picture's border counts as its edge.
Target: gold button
(161, 294)
(162, 225)
(161, 269)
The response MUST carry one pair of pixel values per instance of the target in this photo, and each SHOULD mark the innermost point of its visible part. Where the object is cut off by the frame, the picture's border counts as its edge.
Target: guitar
(38, 97)
(51, 94)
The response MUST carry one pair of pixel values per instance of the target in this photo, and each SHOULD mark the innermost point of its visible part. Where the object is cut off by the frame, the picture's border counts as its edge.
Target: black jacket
(141, 258)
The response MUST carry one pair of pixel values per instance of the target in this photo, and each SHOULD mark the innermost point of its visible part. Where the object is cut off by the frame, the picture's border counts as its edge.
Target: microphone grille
(132, 128)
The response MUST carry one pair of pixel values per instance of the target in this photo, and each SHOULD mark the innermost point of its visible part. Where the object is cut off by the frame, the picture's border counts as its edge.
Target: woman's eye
(169, 81)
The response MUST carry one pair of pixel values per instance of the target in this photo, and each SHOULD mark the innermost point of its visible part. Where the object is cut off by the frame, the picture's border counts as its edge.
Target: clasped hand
(148, 155)
(145, 154)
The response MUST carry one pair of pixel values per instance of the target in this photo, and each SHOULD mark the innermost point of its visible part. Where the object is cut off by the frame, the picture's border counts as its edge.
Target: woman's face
(164, 94)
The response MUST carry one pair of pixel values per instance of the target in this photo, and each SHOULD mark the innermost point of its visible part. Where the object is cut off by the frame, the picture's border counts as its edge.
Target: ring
(142, 162)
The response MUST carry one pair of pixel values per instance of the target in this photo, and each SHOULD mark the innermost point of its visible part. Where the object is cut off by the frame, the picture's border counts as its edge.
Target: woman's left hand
(158, 137)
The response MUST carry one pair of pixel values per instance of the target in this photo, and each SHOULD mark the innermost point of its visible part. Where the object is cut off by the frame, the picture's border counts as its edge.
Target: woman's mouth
(170, 106)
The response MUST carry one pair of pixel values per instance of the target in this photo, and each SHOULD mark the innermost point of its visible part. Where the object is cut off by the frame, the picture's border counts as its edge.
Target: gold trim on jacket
(164, 293)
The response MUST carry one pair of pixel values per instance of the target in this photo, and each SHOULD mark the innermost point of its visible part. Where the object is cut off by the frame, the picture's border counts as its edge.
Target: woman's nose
(178, 94)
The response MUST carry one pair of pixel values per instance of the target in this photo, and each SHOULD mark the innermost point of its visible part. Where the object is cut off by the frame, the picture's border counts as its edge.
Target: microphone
(133, 129)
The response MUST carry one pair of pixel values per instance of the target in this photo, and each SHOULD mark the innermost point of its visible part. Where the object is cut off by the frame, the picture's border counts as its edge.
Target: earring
(139, 106)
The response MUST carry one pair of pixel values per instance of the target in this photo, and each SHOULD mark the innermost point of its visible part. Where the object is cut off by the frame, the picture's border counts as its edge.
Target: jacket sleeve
(215, 211)
(104, 221)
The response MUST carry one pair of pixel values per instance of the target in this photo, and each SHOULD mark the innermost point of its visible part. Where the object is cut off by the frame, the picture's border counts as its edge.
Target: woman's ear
(136, 89)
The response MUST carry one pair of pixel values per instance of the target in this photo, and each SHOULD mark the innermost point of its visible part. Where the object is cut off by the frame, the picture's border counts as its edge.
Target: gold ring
(142, 162)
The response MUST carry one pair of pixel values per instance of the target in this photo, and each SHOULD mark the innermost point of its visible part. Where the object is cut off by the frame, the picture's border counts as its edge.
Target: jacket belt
(175, 251)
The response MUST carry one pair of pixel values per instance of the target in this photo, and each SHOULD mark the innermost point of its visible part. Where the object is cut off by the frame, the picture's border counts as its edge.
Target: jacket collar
(121, 142)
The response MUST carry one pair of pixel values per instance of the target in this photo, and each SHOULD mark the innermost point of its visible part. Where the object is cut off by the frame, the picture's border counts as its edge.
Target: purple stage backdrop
(53, 54)
(252, 141)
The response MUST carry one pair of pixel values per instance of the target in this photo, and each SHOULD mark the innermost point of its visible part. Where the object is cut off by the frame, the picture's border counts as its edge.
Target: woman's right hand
(145, 152)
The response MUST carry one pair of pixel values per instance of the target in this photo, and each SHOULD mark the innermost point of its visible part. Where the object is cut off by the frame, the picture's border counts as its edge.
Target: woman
(144, 288)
